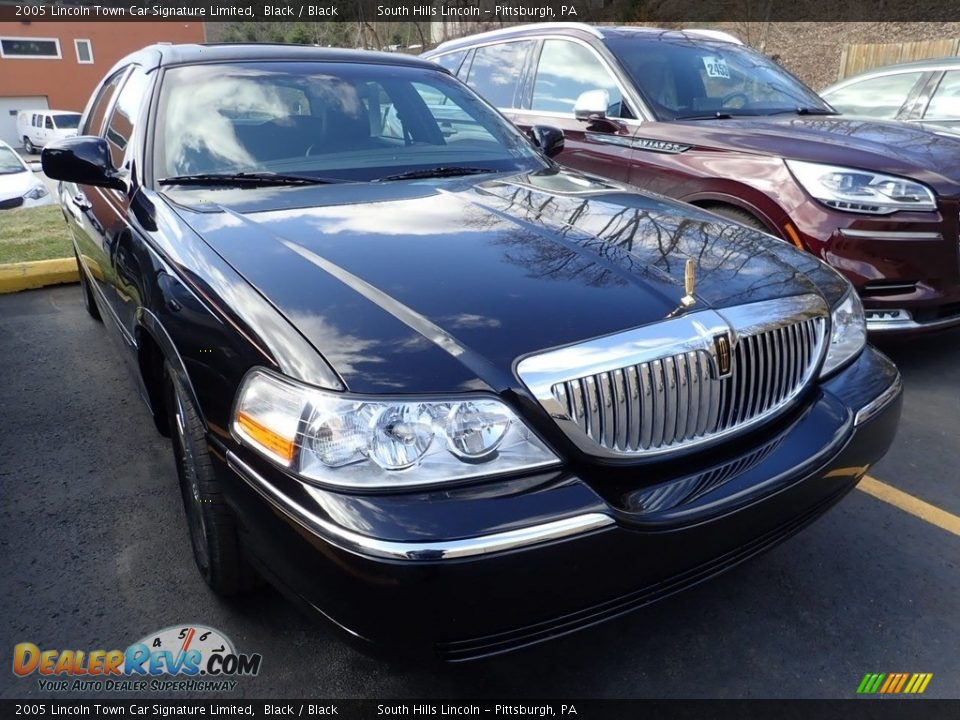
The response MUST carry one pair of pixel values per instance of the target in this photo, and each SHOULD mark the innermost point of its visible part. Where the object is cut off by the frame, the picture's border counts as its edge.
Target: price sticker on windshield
(716, 67)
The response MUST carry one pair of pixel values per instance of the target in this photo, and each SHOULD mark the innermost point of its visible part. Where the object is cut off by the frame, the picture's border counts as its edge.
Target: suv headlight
(861, 191)
(358, 442)
(36, 193)
(848, 333)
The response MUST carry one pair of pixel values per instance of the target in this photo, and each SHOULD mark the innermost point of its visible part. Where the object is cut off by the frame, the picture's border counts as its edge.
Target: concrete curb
(26, 275)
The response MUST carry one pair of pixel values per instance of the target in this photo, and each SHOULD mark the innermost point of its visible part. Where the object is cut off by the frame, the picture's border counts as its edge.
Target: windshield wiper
(247, 179)
(804, 111)
(714, 116)
(442, 171)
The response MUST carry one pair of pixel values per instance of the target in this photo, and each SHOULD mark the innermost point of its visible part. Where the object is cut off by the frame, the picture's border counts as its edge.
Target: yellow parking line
(909, 504)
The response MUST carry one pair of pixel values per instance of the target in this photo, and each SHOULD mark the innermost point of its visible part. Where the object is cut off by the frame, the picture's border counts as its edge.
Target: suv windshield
(683, 78)
(67, 121)
(339, 121)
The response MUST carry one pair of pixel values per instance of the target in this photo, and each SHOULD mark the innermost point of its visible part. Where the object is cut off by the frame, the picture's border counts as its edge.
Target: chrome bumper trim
(423, 551)
(890, 234)
(869, 410)
(879, 326)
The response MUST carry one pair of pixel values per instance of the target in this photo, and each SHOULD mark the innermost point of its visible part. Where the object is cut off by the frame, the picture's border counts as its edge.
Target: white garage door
(9, 107)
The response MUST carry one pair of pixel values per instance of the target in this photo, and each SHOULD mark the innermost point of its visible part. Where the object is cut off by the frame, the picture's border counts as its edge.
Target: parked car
(926, 92)
(38, 127)
(19, 187)
(435, 387)
(720, 126)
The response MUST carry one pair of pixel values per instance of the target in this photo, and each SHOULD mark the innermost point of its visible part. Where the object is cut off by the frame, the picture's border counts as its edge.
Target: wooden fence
(857, 58)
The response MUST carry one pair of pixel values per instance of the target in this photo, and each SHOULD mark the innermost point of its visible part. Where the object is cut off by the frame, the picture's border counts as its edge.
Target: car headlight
(861, 191)
(372, 442)
(36, 193)
(848, 333)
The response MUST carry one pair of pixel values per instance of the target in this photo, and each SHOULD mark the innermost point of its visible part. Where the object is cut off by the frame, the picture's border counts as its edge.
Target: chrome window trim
(847, 82)
(693, 332)
(367, 546)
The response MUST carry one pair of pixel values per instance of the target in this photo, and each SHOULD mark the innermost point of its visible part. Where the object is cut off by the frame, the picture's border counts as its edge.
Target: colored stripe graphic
(894, 683)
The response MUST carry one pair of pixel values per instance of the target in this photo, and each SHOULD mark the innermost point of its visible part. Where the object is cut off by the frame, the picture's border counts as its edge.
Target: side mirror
(592, 105)
(84, 160)
(549, 139)
(35, 166)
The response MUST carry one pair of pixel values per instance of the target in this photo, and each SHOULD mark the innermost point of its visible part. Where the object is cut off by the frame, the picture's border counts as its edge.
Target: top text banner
(492, 11)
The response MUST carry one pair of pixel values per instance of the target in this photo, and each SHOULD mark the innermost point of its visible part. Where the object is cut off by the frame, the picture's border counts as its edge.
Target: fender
(773, 222)
(150, 324)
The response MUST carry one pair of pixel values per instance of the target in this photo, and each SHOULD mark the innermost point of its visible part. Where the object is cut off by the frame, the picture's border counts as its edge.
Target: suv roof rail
(714, 35)
(513, 28)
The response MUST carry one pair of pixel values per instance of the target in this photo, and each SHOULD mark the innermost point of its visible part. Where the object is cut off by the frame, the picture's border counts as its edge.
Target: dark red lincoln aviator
(697, 116)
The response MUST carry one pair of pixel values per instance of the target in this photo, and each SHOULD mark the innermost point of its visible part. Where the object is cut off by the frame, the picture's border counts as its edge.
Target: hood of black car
(437, 286)
(883, 146)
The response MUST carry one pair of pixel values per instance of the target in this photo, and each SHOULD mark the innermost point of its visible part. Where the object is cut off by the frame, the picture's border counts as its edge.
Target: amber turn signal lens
(277, 444)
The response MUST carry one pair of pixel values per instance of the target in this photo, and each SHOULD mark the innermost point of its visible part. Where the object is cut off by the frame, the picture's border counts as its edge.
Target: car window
(67, 121)
(124, 116)
(565, 71)
(363, 122)
(99, 108)
(451, 61)
(495, 71)
(10, 162)
(682, 79)
(945, 103)
(48, 123)
(880, 97)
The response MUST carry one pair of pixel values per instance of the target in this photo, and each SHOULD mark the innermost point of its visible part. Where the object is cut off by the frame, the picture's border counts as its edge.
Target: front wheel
(212, 526)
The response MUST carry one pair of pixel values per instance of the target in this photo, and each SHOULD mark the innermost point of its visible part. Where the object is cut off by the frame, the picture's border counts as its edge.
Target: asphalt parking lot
(94, 553)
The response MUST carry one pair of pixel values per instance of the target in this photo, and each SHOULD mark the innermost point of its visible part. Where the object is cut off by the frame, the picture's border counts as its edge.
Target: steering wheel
(733, 96)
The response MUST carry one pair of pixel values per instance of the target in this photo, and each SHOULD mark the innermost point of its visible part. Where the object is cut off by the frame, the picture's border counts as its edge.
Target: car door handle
(80, 200)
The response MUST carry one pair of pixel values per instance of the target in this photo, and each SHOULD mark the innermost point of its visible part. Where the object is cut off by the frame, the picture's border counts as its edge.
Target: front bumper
(473, 571)
(905, 266)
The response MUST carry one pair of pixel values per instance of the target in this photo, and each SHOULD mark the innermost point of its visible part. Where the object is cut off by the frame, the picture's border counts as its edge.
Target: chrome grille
(672, 392)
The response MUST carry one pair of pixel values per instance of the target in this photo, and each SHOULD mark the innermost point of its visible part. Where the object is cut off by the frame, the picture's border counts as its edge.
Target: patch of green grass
(33, 234)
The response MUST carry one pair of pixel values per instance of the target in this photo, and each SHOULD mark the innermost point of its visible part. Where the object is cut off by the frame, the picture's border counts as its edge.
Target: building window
(84, 51)
(30, 48)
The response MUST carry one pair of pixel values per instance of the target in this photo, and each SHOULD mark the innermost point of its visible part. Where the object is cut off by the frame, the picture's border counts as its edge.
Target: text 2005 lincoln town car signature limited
(434, 387)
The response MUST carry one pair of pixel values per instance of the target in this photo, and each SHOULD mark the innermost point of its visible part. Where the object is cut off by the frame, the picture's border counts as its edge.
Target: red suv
(701, 118)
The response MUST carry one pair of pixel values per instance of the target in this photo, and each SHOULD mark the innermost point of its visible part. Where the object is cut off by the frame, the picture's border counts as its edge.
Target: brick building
(57, 64)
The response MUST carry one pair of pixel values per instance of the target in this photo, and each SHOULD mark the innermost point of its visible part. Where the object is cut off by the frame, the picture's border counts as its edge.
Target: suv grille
(718, 373)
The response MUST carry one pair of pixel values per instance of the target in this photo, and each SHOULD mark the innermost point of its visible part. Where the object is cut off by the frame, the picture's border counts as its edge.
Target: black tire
(213, 528)
(738, 215)
(29, 146)
(88, 302)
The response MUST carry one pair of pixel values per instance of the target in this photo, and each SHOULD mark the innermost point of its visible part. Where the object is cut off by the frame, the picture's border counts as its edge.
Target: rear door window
(880, 97)
(98, 111)
(496, 71)
(945, 103)
(451, 61)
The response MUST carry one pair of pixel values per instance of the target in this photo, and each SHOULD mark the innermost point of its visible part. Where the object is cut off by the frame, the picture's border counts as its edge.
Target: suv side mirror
(592, 105)
(84, 160)
(549, 139)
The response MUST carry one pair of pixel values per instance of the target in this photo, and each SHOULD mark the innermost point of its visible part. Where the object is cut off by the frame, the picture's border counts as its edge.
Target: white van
(36, 128)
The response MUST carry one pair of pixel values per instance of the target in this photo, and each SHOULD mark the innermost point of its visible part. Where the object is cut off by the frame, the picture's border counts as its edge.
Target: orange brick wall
(68, 84)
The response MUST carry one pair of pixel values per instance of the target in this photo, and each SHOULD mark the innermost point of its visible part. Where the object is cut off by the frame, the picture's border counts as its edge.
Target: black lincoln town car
(434, 387)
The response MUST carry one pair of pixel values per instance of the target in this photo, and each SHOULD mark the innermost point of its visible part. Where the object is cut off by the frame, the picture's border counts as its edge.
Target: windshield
(10, 162)
(67, 121)
(341, 121)
(680, 78)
